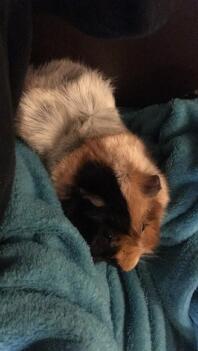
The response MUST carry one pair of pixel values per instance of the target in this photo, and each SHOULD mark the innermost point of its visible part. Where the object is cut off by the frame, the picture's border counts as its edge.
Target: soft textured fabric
(52, 296)
(111, 18)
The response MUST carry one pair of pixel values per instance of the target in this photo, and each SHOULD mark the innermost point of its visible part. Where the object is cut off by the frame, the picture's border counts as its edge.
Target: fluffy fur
(63, 104)
(108, 185)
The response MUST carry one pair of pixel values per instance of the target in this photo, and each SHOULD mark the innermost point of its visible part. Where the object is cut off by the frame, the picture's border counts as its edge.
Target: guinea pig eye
(143, 227)
(108, 235)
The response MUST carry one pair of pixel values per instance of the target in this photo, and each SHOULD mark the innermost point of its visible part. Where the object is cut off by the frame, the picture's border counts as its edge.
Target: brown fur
(68, 115)
(126, 155)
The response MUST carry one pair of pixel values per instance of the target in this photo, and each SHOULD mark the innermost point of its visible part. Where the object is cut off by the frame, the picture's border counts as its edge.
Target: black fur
(98, 225)
(101, 18)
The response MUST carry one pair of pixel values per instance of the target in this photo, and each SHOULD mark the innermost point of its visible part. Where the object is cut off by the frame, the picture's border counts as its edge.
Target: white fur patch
(65, 103)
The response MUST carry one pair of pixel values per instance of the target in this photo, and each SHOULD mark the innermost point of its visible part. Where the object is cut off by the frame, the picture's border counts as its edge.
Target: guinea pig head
(114, 194)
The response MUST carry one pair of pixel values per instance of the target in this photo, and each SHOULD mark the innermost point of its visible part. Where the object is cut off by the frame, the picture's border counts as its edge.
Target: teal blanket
(52, 296)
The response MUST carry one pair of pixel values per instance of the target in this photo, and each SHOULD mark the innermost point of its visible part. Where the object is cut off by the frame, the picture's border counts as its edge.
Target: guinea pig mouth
(105, 253)
(120, 252)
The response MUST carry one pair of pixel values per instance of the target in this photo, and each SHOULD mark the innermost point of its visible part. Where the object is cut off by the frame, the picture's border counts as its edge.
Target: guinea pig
(108, 185)
(114, 194)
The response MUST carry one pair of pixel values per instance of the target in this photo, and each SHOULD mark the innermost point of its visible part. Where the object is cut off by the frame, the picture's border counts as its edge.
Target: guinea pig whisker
(151, 257)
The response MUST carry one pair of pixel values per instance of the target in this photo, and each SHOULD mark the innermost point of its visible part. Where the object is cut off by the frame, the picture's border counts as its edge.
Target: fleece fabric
(53, 297)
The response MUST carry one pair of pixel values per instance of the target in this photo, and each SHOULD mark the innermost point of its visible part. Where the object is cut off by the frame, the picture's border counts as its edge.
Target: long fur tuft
(63, 104)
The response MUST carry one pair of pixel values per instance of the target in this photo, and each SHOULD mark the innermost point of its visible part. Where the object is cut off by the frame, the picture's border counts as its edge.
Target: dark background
(146, 70)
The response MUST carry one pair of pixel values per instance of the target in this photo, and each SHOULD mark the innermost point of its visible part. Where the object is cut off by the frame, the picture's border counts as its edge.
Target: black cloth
(103, 18)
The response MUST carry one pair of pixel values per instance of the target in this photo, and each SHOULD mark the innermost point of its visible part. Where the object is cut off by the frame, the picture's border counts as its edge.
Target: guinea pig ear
(152, 185)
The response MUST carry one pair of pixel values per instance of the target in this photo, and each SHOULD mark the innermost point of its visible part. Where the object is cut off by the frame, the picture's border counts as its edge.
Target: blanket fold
(53, 297)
